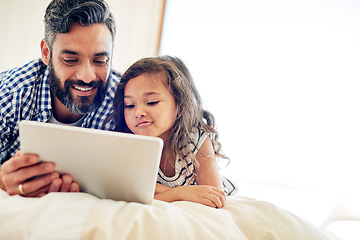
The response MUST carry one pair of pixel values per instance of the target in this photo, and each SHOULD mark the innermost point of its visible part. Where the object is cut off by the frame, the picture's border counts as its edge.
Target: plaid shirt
(25, 95)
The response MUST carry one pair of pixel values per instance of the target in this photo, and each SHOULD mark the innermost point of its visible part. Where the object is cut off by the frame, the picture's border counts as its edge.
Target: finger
(208, 202)
(74, 187)
(215, 200)
(55, 185)
(216, 197)
(65, 187)
(34, 171)
(39, 184)
(19, 161)
(220, 194)
(219, 191)
(40, 192)
(222, 197)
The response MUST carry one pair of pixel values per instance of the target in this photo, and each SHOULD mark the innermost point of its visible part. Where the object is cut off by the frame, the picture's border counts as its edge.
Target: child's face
(150, 108)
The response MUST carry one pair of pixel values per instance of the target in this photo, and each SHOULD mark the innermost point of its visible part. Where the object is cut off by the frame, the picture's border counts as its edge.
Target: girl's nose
(140, 112)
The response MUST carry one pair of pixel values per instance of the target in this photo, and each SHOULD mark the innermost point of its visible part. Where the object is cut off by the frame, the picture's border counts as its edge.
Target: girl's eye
(129, 106)
(153, 103)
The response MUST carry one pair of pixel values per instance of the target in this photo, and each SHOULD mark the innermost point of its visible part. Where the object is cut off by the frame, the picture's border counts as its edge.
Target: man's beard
(83, 104)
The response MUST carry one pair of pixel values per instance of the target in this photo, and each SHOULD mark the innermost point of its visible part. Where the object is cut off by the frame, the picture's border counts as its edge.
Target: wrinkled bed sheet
(82, 216)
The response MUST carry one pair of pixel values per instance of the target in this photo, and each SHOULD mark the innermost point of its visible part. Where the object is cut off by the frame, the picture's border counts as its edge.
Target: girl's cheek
(127, 120)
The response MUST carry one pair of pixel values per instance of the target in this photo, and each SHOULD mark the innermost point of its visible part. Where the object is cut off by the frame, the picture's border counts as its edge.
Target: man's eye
(153, 103)
(101, 61)
(129, 106)
(70, 60)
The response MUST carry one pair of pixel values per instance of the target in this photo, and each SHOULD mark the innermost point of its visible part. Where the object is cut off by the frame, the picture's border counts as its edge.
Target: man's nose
(86, 72)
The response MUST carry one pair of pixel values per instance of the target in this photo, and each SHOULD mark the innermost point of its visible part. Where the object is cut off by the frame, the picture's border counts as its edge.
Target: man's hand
(25, 175)
(63, 184)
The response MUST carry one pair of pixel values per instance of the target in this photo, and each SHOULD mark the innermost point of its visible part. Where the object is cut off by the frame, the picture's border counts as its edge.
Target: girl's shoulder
(197, 138)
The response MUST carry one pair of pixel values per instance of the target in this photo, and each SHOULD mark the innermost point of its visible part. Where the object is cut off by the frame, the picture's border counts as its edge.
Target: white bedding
(81, 216)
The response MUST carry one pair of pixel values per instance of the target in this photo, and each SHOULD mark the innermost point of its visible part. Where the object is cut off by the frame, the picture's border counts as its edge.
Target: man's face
(79, 67)
(79, 104)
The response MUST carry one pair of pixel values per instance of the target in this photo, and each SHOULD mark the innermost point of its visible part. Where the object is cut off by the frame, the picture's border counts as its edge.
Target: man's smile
(84, 91)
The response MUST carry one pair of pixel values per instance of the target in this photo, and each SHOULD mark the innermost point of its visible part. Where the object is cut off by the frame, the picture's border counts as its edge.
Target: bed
(82, 216)
(343, 222)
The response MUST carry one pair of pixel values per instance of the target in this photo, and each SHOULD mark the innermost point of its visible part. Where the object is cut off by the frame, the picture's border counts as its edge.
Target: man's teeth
(84, 89)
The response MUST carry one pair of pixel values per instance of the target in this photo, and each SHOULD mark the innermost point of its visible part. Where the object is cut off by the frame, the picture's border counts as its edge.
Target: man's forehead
(74, 52)
(79, 40)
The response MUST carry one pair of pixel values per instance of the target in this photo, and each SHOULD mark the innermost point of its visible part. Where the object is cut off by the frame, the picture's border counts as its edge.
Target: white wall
(282, 78)
(21, 24)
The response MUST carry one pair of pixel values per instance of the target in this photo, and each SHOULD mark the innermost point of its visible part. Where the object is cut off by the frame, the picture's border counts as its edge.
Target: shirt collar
(44, 98)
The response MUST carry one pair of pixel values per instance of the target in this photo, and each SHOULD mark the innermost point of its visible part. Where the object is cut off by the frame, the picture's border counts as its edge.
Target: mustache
(80, 83)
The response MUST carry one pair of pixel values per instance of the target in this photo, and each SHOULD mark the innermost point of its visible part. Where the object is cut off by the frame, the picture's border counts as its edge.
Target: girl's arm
(208, 190)
(204, 194)
(207, 172)
(161, 188)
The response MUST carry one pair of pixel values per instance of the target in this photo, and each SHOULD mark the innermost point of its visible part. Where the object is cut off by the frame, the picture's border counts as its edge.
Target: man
(72, 84)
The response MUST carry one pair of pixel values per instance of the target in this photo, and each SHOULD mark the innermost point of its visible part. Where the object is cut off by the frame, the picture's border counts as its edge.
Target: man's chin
(84, 106)
(81, 109)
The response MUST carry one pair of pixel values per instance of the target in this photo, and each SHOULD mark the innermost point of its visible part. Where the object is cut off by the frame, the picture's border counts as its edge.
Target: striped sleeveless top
(184, 175)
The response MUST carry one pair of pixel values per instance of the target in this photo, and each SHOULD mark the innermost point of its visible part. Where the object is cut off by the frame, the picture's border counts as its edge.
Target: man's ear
(45, 52)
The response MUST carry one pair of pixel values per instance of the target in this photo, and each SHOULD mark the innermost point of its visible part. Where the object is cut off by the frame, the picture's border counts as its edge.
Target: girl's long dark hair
(190, 111)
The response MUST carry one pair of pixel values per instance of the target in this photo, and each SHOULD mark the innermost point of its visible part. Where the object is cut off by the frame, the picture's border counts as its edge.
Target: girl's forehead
(147, 81)
(158, 77)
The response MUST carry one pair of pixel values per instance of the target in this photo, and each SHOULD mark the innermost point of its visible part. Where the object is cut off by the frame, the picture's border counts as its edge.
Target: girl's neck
(167, 162)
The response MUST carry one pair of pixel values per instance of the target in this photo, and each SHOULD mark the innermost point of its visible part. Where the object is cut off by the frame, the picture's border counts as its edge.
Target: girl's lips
(143, 124)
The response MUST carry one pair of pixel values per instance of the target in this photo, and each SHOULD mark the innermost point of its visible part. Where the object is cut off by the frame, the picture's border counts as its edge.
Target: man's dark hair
(61, 14)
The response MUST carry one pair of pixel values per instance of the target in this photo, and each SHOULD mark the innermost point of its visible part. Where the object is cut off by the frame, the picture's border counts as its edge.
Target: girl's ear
(45, 52)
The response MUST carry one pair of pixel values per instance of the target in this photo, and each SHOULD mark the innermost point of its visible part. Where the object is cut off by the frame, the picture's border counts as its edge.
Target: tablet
(112, 165)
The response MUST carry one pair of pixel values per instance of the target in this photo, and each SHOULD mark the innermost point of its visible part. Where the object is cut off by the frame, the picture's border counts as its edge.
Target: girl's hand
(204, 194)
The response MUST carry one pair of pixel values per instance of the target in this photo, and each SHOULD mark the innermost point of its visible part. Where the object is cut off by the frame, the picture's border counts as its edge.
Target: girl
(158, 98)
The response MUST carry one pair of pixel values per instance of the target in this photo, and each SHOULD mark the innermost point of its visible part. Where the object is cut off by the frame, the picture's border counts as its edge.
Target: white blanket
(81, 216)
